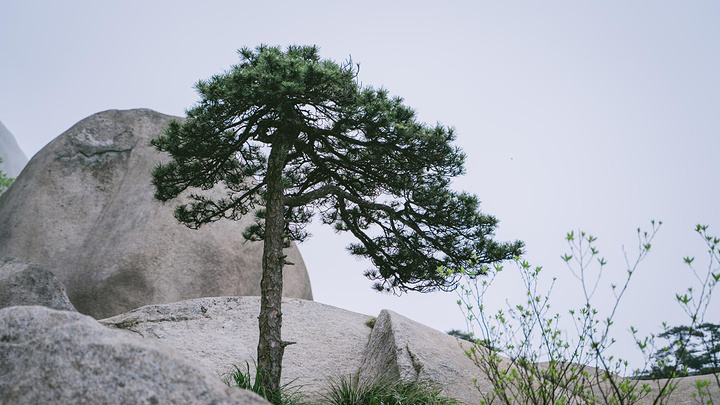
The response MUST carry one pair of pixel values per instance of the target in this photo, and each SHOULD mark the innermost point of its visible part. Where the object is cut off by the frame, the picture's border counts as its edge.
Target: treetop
(352, 156)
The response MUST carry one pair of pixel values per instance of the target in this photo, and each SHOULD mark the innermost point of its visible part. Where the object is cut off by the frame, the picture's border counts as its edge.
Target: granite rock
(62, 357)
(84, 207)
(24, 283)
(222, 332)
(402, 348)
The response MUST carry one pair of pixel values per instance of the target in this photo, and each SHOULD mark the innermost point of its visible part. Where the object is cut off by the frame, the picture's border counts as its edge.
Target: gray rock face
(331, 342)
(60, 357)
(84, 207)
(13, 157)
(24, 283)
(221, 332)
(685, 388)
(401, 347)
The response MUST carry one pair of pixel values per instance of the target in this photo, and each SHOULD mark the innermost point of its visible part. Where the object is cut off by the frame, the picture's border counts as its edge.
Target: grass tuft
(350, 391)
(242, 378)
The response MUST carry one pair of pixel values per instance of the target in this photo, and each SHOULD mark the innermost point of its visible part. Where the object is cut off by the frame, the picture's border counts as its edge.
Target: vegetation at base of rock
(349, 391)
(371, 322)
(303, 138)
(242, 378)
(5, 181)
(536, 362)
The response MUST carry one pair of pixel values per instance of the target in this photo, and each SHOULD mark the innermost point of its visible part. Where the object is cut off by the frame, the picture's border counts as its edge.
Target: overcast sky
(598, 116)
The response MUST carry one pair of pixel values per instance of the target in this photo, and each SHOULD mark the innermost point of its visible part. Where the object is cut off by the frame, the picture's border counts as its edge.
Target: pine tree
(291, 137)
(693, 350)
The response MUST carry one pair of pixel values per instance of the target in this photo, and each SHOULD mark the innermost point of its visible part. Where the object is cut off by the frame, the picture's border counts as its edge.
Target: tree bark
(270, 346)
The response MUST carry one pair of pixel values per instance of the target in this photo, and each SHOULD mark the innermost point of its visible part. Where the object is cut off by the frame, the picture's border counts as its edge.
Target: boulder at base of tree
(221, 332)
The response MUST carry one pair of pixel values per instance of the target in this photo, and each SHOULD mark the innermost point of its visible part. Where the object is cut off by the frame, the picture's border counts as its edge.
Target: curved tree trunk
(270, 346)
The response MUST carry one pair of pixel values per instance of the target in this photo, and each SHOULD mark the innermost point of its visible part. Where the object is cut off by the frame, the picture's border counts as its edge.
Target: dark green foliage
(692, 351)
(299, 136)
(356, 158)
(5, 181)
(349, 391)
(462, 335)
(468, 336)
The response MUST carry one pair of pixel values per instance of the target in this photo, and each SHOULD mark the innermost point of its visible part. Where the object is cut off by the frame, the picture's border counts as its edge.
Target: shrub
(533, 362)
(5, 181)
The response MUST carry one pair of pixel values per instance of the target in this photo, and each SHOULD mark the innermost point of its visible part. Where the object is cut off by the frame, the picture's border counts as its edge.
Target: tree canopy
(291, 137)
(355, 156)
(691, 351)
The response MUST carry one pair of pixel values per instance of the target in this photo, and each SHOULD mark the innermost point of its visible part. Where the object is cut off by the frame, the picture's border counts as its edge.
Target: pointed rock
(402, 348)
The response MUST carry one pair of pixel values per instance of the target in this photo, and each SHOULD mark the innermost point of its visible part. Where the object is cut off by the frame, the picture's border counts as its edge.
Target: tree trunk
(270, 346)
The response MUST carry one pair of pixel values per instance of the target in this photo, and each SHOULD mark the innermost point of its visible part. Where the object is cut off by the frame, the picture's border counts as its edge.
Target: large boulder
(13, 158)
(61, 357)
(222, 332)
(24, 283)
(84, 207)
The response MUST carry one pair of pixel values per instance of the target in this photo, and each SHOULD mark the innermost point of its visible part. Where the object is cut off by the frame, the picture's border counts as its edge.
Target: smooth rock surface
(13, 158)
(221, 332)
(401, 347)
(331, 342)
(685, 388)
(84, 207)
(61, 357)
(24, 283)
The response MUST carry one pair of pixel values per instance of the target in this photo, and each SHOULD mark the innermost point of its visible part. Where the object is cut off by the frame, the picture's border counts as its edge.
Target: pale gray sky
(593, 115)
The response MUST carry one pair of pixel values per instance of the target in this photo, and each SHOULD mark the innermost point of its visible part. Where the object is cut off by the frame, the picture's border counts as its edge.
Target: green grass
(350, 391)
(242, 378)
